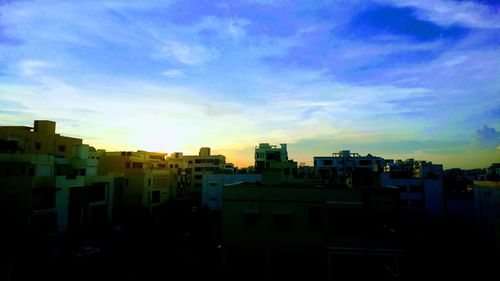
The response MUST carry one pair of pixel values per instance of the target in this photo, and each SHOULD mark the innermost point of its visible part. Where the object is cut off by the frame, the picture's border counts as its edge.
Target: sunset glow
(399, 79)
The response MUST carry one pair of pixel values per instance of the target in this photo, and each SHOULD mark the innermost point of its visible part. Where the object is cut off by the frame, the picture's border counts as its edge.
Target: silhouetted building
(49, 182)
(212, 187)
(309, 231)
(421, 185)
(39, 139)
(273, 163)
(180, 176)
(204, 164)
(493, 172)
(349, 168)
(487, 199)
(458, 190)
(147, 178)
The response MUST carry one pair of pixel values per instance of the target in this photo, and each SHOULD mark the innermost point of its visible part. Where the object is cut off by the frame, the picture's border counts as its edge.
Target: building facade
(300, 230)
(49, 182)
(349, 168)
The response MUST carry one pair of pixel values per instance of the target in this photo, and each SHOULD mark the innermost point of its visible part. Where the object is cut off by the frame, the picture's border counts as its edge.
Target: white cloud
(187, 54)
(446, 12)
(172, 73)
(33, 67)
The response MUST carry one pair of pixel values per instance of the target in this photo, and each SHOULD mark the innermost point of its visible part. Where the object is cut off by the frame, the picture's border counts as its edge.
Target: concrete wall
(212, 187)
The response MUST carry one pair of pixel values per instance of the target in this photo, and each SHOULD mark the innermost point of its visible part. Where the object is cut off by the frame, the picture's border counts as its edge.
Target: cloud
(33, 67)
(400, 21)
(188, 54)
(447, 13)
(173, 73)
(294, 70)
(487, 136)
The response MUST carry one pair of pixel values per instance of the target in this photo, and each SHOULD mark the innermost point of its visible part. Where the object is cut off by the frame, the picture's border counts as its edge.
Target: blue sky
(398, 79)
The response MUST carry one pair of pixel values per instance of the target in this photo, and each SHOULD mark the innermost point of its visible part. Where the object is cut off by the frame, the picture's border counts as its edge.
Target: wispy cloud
(447, 12)
(187, 54)
(172, 73)
(416, 74)
(33, 67)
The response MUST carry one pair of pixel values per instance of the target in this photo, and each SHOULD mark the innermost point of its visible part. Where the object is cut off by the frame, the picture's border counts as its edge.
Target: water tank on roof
(45, 127)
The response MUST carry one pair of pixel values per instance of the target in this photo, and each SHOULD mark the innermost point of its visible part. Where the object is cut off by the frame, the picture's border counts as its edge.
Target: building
(349, 168)
(180, 176)
(39, 139)
(310, 231)
(493, 172)
(146, 174)
(201, 165)
(212, 187)
(421, 185)
(487, 215)
(272, 162)
(49, 183)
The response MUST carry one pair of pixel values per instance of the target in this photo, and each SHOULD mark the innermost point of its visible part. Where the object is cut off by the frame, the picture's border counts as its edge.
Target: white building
(420, 183)
(201, 165)
(265, 154)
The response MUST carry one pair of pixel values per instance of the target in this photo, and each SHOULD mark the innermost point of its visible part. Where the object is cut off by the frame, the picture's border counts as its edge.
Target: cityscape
(249, 139)
(73, 211)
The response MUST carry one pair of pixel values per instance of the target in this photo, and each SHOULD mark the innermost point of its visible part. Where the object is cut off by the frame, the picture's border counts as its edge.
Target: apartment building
(146, 177)
(272, 162)
(49, 182)
(309, 231)
(352, 169)
(421, 185)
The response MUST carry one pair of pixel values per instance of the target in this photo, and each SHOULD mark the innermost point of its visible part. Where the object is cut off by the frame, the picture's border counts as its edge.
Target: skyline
(397, 79)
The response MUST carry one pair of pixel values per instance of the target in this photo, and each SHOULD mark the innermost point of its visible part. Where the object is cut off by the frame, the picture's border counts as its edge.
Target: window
(127, 165)
(190, 162)
(155, 196)
(316, 218)
(171, 165)
(416, 188)
(176, 165)
(328, 162)
(44, 198)
(198, 177)
(283, 222)
(250, 219)
(345, 220)
(45, 222)
(149, 182)
(61, 148)
(365, 162)
(197, 169)
(38, 146)
(417, 203)
(97, 192)
(137, 165)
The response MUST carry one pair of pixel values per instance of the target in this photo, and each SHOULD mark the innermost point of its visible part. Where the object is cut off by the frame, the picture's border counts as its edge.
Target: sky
(398, 79)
